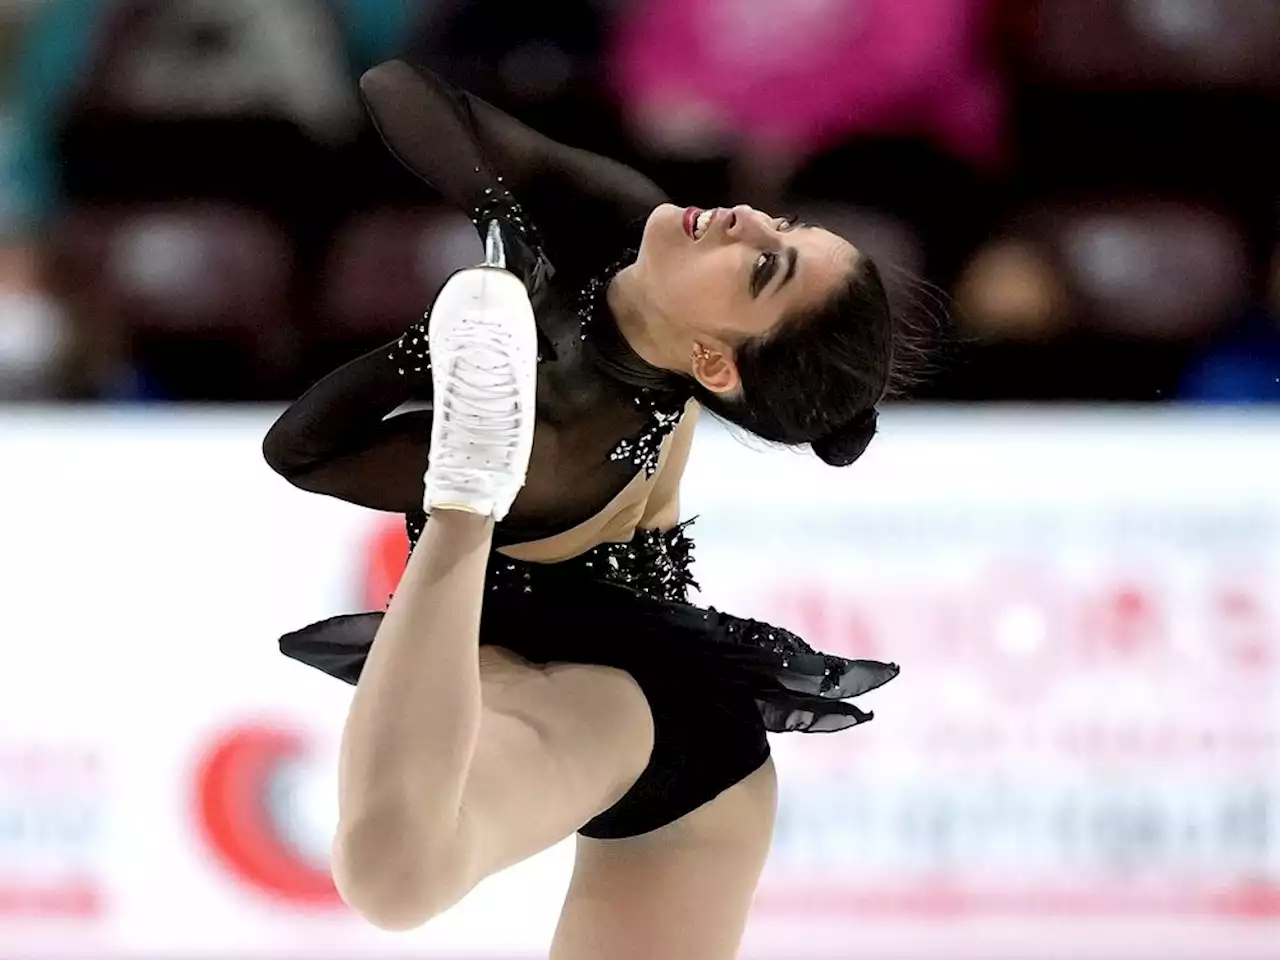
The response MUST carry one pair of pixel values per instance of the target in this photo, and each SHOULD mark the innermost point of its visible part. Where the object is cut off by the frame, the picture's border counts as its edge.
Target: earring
(701, 353)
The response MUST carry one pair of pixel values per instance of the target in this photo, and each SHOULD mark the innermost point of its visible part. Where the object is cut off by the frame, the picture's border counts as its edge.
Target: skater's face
(734, 275)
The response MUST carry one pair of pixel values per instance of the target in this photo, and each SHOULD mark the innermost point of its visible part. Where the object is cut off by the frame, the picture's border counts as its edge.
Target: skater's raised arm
(584, 204)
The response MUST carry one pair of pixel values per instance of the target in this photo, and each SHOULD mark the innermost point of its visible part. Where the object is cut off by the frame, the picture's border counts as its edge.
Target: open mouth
(696, 221)
(690, 220)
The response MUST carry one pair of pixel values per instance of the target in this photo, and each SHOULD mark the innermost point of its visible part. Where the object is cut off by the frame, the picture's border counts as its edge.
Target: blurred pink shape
(802, 75)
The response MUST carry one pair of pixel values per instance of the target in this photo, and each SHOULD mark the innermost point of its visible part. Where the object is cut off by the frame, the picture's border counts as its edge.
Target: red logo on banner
(236, 820)
(385, 559)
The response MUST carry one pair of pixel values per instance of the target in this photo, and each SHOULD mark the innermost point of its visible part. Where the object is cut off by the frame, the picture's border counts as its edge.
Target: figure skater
(539, 671)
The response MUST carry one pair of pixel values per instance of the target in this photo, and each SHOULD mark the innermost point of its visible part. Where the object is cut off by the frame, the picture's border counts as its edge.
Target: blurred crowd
(1085, 193)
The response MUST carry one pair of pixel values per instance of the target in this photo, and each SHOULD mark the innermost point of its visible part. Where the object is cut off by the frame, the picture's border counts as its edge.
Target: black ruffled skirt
(715, 683)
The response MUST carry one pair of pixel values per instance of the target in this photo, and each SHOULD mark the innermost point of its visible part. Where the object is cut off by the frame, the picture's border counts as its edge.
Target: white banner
(1080, 755)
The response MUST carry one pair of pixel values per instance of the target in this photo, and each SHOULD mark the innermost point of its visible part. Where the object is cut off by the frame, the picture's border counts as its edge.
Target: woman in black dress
(539, 671)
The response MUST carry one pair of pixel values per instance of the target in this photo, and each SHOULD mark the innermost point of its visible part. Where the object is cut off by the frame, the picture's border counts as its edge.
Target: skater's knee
(398, 873)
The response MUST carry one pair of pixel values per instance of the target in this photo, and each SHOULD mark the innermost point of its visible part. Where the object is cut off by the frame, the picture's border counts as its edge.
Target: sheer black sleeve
(337, 438)
(586, 207)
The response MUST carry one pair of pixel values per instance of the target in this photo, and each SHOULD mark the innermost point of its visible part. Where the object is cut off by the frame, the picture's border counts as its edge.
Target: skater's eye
(767, 266)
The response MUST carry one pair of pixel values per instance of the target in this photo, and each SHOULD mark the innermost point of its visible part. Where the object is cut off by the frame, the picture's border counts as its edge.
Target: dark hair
(818, 377)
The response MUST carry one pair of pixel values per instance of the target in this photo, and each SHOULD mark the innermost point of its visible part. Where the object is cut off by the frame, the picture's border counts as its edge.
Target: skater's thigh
(558, 744)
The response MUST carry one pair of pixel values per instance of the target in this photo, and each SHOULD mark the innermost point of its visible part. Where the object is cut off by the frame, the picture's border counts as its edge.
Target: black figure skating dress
(591, 565)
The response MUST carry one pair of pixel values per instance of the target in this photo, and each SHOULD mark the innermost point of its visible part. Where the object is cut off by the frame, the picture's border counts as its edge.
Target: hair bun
(843, 446)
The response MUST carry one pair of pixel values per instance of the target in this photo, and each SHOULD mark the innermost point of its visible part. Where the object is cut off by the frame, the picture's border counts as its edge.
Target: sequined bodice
(595, 431)
(570, 220)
